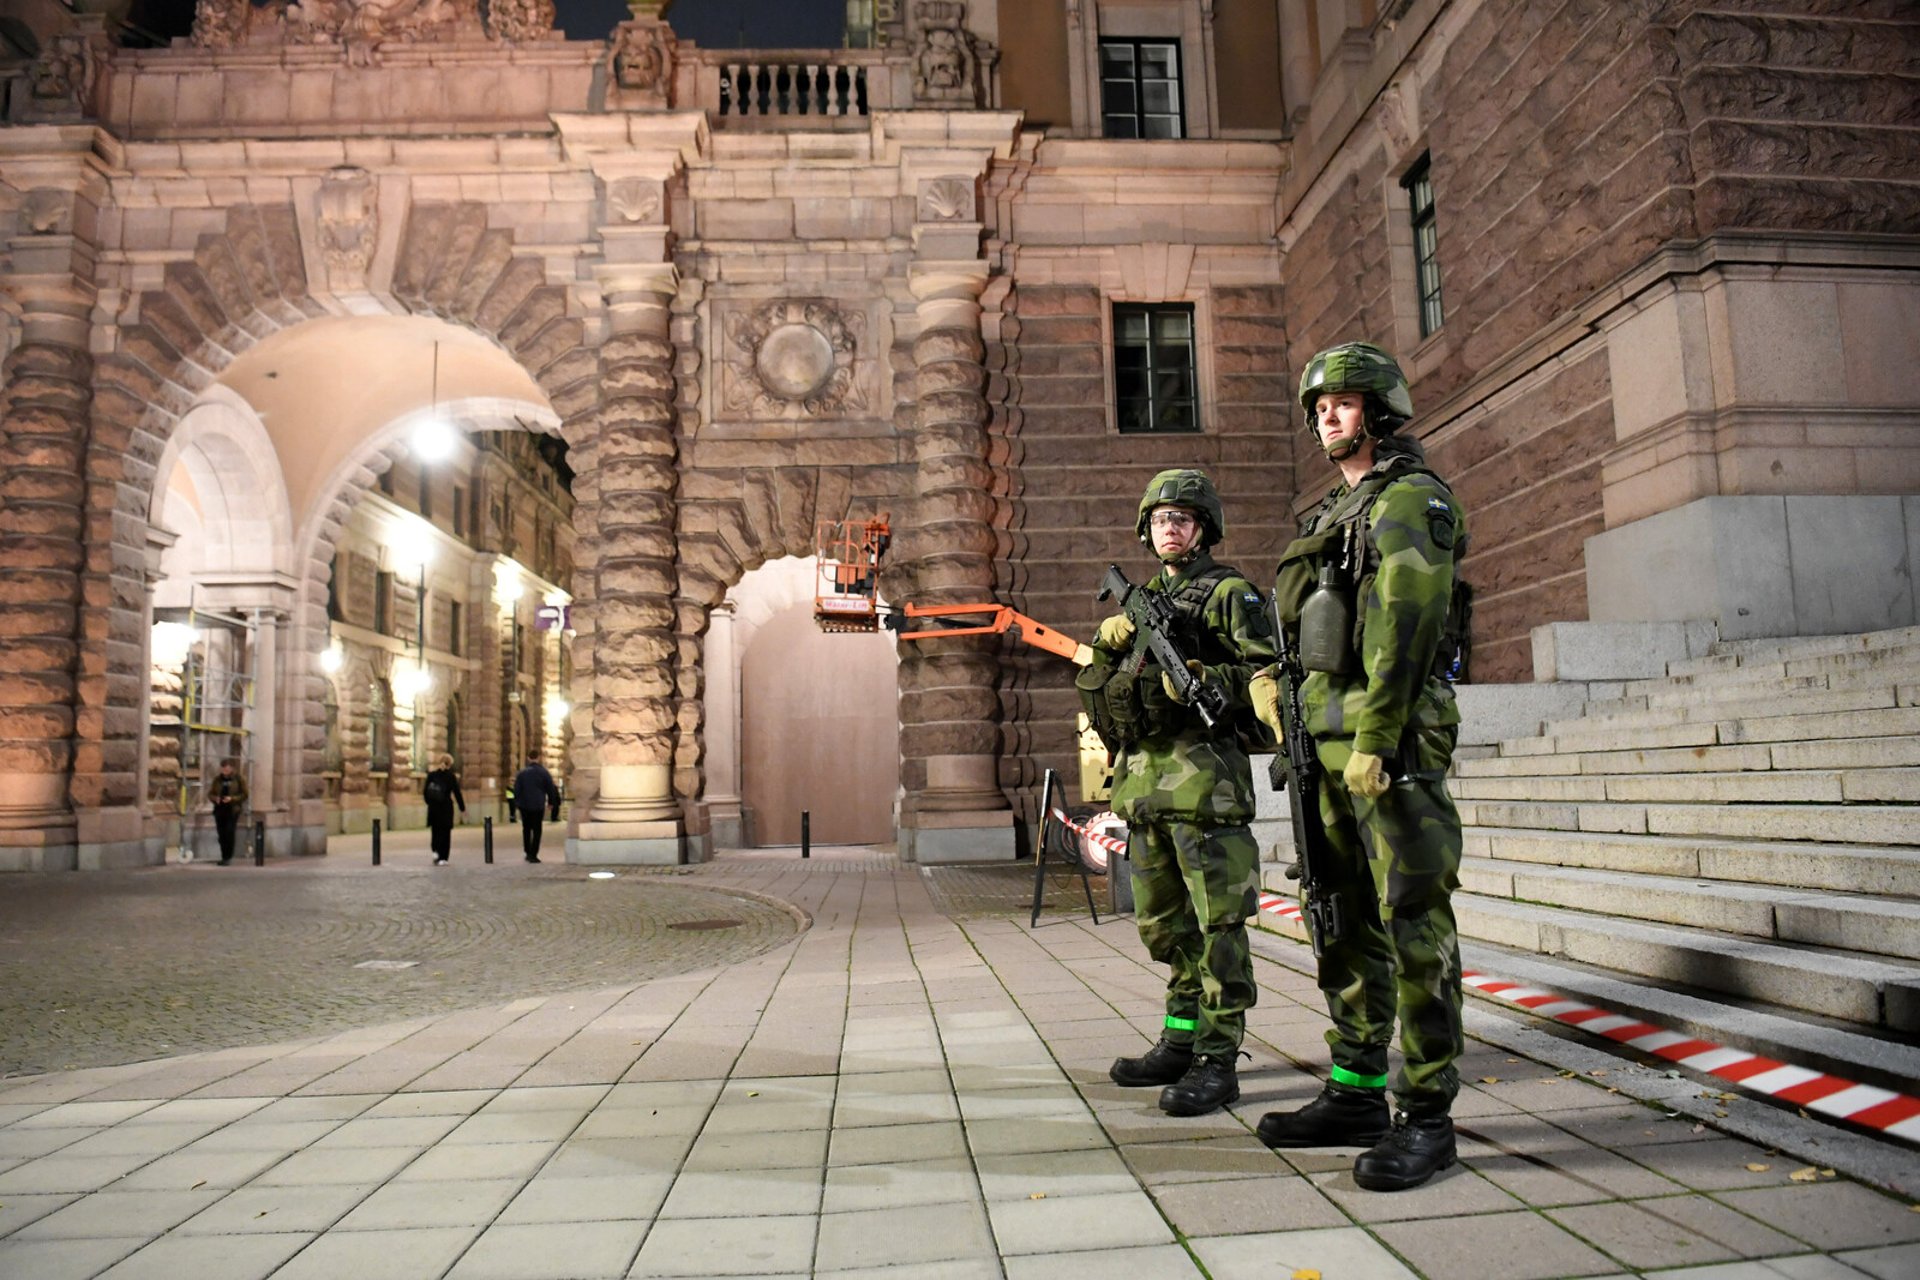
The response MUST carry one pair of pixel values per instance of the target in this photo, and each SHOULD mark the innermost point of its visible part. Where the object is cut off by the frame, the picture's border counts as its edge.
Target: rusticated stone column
(43, 446)
(954, 810)
(635, 816)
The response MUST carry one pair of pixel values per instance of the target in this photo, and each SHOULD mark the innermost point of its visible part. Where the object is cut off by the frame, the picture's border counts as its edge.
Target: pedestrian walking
(228, 791)
(534, 794)
(442, 793)
(1185, 788)
(1370, 591)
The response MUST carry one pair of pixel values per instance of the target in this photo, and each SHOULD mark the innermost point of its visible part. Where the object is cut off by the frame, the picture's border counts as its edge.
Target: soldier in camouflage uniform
(1186, 792)
(1384, 720)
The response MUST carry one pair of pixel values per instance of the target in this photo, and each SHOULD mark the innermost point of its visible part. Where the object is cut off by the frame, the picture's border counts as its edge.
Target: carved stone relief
(47, 212)
(947, 58)
(360, 26)
(347, 207)
(61, 80)
(633, 199)
(947, 200)
(793, 358)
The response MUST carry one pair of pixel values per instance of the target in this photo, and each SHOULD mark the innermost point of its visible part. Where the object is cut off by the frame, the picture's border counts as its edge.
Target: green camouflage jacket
(1194, 773)
(1414, 528)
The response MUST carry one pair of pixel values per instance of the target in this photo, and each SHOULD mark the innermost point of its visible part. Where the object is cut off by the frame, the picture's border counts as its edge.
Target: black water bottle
(1326, 627)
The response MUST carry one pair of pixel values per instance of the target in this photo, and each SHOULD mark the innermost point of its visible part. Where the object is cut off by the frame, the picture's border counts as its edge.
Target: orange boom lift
(846, 596)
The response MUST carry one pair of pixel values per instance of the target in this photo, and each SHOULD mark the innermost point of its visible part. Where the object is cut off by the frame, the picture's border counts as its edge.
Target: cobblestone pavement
(122, 966)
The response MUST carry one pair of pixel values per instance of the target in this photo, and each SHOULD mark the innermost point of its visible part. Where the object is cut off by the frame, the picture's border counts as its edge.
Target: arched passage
(815, 718)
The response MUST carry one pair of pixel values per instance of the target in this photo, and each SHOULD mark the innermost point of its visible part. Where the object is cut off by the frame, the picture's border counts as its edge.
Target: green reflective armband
(1182, 1024)
(1343, 1076)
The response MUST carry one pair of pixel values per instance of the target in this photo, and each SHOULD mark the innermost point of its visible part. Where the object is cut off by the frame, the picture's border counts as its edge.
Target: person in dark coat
(442, 792)
(534, 793)
(228, 791)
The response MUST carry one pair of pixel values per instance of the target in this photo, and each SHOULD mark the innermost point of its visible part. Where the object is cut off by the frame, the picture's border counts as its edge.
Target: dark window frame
(1147, 386)
(1114, 111)
(382, 602)
(1418, 184)
(456, 628)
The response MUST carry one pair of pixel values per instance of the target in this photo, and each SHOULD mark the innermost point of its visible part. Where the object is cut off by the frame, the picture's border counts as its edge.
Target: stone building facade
(1653, 267)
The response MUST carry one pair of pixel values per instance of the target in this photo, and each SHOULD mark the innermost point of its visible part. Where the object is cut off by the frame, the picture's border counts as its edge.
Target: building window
(379, 728)
(1140, 89)
(1426, 239)
(336, 588)
(1154, 379)
(426, 495)
(456, 628)
(459, 512)
(452, 744)
(383, 602)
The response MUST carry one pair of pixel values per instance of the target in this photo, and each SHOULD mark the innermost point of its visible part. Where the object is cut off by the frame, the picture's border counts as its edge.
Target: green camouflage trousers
(1396, 863)
(1193, 888)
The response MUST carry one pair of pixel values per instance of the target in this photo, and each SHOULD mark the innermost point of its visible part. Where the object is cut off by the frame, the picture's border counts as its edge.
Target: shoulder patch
(1436, 504)
(1252, 598)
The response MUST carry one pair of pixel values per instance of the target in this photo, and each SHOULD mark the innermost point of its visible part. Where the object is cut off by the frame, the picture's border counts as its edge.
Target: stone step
(1789, 727)
(1796, 647)
(1845, 868)
(1895, 752)
(1851, 664)
(1800, 786)
(1858, 824)
(1859, 923)
(1812, 702)
(1824, 981)
(1683, 694)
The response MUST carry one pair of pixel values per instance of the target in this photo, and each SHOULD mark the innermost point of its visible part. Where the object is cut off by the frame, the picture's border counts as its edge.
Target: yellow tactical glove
(1115, 634)
(1264, 692)
(1194, 665)
(1366, 775)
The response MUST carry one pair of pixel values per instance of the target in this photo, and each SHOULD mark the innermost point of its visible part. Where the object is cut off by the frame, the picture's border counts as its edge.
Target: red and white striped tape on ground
(1107, 842)
(1858, 1104)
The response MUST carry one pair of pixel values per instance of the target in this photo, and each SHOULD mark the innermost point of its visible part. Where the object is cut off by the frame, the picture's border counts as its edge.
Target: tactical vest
(1124, 707)
(1342, 517)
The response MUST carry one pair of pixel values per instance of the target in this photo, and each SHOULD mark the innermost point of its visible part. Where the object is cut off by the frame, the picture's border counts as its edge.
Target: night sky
(721, 24)
(715, 24)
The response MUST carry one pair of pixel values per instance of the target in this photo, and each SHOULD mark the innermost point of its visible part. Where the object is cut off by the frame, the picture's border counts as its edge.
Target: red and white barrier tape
(1110, 843)
(1865, 1105)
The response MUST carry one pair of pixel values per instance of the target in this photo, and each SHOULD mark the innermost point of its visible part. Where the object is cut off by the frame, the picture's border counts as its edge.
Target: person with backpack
(442, 792)
(1185, 789)
(1371, 596)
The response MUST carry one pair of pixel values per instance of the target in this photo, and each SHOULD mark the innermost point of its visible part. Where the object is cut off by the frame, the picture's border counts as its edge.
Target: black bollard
(806, 833)
(259, 842)
(486, 837)
(376, 842)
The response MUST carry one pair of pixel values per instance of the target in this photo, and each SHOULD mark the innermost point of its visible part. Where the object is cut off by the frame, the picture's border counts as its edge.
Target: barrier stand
(806, 833)
(1053, 825)
(376, 842)
(259, 842)
(486, 838)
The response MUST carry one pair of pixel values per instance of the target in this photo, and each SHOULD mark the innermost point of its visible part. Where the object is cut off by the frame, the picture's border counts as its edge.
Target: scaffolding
(210, 713)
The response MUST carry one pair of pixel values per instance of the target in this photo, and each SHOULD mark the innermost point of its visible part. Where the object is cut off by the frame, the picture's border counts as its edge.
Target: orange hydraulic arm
(1004, 618)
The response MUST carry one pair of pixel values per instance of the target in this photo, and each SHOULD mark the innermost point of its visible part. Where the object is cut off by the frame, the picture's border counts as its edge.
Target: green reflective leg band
(1343, 1076)
(1182, 1024)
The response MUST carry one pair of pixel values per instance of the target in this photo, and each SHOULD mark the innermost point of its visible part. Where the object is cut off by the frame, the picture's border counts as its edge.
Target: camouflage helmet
(1362, 367)
(1184, 488)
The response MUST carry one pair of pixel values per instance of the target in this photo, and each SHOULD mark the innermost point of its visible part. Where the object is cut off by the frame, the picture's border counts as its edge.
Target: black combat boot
(1209, 1083)
(1341, 1116)
(1165, 1063)
(1416, 1148)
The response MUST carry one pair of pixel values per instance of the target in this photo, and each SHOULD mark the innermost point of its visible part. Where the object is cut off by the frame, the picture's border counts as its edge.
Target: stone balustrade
(825, 84)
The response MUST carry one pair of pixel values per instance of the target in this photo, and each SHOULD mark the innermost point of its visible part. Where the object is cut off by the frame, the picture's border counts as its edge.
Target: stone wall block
(281, 231)
(539, 308)
(491, 254)
(428, 228)
(224, 276)
(464, 234)
(918, 741)
(509, 291)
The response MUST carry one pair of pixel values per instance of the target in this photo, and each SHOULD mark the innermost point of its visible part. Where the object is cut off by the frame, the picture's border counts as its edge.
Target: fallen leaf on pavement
(1036, 1195)
(1807, 1174)
(1758, 1168)
(1306, 1273)
(1489, 1079)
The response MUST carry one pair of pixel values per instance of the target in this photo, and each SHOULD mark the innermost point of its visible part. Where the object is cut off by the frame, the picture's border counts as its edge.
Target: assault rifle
(1296, 769)
(1154, 623)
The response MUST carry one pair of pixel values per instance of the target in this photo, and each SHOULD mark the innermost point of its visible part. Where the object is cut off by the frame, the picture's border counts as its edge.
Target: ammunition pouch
(1111, 700)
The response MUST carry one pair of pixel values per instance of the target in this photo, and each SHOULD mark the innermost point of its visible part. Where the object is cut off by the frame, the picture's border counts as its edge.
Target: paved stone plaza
(893, 1091)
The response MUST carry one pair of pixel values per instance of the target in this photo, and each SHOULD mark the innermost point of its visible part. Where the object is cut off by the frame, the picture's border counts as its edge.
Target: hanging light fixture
(433, 437)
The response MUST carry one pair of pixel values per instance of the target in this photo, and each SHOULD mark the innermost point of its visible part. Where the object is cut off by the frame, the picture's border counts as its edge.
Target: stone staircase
(1744, 826)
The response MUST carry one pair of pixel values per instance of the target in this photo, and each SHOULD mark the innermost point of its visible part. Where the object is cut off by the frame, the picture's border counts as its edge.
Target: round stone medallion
(794, 360)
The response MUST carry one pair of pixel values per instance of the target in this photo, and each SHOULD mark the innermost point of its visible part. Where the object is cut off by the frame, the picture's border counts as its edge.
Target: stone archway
(828, 743)
(80, 735)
